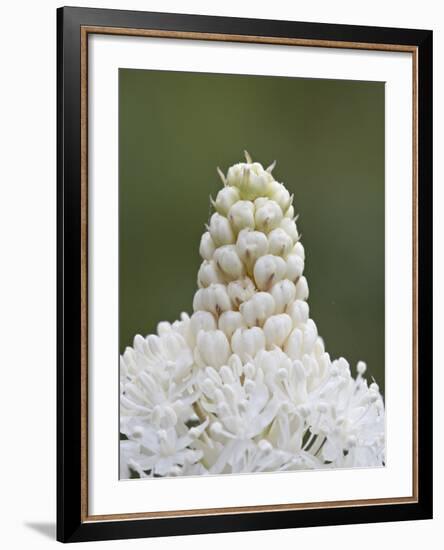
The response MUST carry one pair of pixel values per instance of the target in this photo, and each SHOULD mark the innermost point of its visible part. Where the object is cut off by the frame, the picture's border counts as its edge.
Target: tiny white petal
(279, 242)
(240, 291)
(230, 321)
(258, 308)
(295, 267)
(268, 270)
(227, 260)
(251, 245)
(276, 329)
(225, 199)
(207, 246)
(208, 273)
(284, 293)
(248, 342)
(241, 215)
(213, 347)
(302, 289)
(268, 216)
(220, 230)
(289, 226)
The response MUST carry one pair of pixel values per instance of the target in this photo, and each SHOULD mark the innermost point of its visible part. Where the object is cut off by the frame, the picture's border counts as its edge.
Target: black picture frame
(72, 525)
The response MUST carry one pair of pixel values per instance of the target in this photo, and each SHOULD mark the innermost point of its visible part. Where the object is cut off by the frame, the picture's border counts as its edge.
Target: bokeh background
(327, 136)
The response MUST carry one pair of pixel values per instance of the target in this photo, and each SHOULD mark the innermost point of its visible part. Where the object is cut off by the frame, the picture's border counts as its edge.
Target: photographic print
(251, 274)
(244, 274)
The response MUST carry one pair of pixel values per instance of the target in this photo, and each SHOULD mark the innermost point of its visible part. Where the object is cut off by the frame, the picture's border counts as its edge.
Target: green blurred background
(328, 139)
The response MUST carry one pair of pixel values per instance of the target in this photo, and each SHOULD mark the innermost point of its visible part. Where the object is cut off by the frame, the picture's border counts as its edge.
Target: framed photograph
(244, 274)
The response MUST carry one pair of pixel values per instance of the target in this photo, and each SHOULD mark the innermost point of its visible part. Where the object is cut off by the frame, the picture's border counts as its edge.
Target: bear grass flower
(245, 384)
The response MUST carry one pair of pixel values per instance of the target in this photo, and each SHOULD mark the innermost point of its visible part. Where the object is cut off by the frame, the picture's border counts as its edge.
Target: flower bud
(236, 174)
(225, 199)
(259, 184)
(251, 245)
(295, 267)
(235, 364)
(202, 320)
(283, 293)
(299, 312)
(302, 289)
(240, 291)
(276, 329)
(228, 261)
(248, 342)
(208, 273)
(207, 246)
(230, 321)
(310, 336)
(293, 345)
(163, 328)
(214, 299)
(241, 215)
(289, 213)
(258, 308)
(279, 243)
(220, 230)
(298, 249)
(289, 226)
(268, 270)
(268, 216)
(251, 179)
(361, 367)
(213, 347)
(281, 195)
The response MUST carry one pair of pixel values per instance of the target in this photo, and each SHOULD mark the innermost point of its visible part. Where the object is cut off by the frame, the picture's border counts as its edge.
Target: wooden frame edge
(85, 31)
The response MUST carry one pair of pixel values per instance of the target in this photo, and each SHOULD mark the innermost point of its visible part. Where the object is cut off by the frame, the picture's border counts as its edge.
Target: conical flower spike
(245, 384)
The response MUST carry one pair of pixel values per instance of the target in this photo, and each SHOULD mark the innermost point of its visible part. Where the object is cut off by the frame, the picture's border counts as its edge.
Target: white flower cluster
(245, 383)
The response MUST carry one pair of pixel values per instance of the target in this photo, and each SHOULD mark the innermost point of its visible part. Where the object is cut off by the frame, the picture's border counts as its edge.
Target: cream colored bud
(302, 289)
(259, 202)
(258, 184)
(208, 273)
(310, 336)
(298, 249)
(279, 243)
(230, 321)
(293, 345)
(248, 342)
(281, 195)
(225, 199)
(213, 347)
(289, 226)
(235, 364)
(240, 291)
(268, 216)
(202, 320)
(163, 328)
(214, 299)
(241, 215)
(220, 230)
(299, 312)
(236, 174)
(268, 270)
(207, 246)
(283, 293)
(289, 213)
(250, 178)
(295, 267)
(228, 261)
(276, 329)
(258, 308)
(251, 245)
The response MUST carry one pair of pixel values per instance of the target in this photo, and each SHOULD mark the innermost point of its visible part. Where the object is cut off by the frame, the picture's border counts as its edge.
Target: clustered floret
(245, 383)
